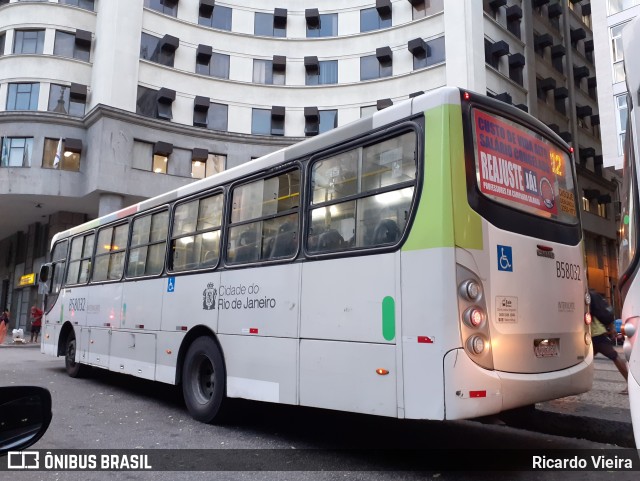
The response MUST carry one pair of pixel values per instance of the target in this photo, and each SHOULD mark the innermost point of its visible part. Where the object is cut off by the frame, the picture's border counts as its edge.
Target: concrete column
(116, 54)
(110, 203)
(464, 44)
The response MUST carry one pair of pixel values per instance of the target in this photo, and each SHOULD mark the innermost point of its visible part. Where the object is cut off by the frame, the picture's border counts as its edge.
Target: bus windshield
(517, 167)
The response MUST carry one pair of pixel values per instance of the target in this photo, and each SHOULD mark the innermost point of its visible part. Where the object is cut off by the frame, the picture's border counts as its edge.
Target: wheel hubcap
(203, 379)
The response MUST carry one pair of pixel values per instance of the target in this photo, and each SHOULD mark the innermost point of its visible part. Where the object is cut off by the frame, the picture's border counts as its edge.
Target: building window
(617, 6)
(368, 111)
(423, 8)
(215, 66)
(62, 101)
(159, 165)
(266, 24)
(319, 121)
(428, 53)
(23, 96)
(210, 115)
(68, 157)
(621, 120)
(155, 103)
(326, 73)
(159, 50)
(16, 151)
(217, 17)
(516, 65)
(68, 45)
(328, 120)
(214, 164)
(2, 41)
(28, 41)
(602, 210)
(372, 68)
(327, 26)
(261, 122)
(268, 122)
(617, 55)
(168, 7)
(371, 19)
(85, 4)
(586, 205)
(264, 73)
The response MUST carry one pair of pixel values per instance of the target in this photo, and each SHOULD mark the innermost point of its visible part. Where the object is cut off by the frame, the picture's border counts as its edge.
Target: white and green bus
(423, 263)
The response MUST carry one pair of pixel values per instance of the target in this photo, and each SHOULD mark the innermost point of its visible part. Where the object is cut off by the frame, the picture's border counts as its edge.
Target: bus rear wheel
(74, 369)
(203, 380)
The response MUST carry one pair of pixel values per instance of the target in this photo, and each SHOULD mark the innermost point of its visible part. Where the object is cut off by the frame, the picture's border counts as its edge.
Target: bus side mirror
(25, 414)
(44, 272)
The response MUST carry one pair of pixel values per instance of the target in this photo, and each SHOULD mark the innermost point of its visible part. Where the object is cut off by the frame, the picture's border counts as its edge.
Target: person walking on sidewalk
(36, 323)
(603, 330)
(4, 325)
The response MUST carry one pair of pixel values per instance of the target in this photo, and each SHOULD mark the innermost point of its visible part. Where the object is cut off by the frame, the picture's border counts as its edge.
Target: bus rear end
(520, 266)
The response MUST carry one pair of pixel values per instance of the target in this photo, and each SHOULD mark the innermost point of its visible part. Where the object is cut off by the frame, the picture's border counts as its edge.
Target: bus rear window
(517, 167)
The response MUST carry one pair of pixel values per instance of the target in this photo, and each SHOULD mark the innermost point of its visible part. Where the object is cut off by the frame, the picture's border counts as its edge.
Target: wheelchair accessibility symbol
(505, 258)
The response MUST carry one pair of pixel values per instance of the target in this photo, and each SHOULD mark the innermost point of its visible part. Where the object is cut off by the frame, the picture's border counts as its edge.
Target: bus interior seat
(386, 232)
(247, 249)
(284, 243)
(330, 240)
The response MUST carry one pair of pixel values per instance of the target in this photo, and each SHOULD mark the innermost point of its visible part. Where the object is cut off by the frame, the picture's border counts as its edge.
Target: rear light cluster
(587, 319)
(629, 329)
(474, 325)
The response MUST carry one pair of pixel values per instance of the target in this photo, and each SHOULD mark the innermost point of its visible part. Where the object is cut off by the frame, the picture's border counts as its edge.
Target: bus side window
(264, 219)
(148, 244)
(80, 259)
(195, 239)
(385, 178)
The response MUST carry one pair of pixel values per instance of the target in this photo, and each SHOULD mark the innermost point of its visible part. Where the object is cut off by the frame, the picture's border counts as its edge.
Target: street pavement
(601, 414)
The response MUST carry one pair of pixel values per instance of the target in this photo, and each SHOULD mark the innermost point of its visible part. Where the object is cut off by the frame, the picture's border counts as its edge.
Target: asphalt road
(111, 411)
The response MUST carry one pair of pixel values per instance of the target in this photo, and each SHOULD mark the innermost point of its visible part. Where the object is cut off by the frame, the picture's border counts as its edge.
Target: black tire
(74, 369)
(204, 381)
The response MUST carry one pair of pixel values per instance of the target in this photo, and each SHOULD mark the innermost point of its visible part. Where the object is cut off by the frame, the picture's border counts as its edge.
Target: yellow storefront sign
(27, 280)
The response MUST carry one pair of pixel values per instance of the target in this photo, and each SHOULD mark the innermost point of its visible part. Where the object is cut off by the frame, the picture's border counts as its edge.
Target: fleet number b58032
(566, 270)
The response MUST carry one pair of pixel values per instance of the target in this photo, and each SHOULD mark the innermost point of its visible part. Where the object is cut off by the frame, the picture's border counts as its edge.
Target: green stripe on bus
(388, 318)
(433, 225)
(444, 217)
(467, 222)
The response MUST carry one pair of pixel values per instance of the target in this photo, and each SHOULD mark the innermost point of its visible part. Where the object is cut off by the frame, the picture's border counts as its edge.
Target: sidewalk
(601, 414)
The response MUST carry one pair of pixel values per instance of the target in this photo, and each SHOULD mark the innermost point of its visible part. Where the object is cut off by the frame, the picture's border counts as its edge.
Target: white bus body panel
(342, 376)
(50, 334)
(98, 341)
(104, 304)
(342, 298)
(133, 353)
(183, 302)
(142, 305)
(503, 390)
(261, 368)
(429, 328)
(262, 301)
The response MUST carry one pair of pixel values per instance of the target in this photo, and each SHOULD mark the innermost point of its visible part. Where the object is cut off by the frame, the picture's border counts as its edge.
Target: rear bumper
(471, 391)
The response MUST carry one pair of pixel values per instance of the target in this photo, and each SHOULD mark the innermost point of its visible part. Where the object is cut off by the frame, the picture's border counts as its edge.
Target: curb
(30, 344)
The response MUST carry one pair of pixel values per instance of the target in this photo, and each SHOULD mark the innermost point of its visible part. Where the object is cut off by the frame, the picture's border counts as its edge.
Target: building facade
(610, 17)
(106, 102)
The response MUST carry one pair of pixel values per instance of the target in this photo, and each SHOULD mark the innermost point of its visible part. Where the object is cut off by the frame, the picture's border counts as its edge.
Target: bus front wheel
(203, 380)
(74, 369)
